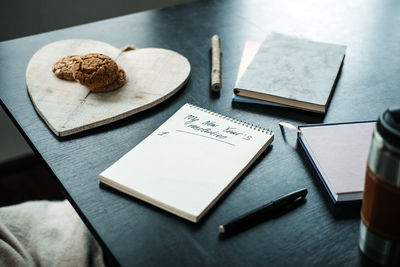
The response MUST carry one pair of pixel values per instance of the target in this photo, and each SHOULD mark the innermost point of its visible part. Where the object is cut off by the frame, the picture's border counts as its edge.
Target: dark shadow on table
(214, 95)
(284, 113)
(287, 113)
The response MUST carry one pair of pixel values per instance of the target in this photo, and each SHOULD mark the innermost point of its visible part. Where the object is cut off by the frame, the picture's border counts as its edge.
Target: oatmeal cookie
(117, 83)
(63, 68)
(95, 70)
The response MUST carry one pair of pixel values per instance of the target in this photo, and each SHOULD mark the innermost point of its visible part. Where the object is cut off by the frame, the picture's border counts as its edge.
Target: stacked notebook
(189, 162)
(339, 153)
(289, 71)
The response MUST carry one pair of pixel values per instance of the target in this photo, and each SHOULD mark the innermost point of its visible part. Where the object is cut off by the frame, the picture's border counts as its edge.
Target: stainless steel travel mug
(380, 212)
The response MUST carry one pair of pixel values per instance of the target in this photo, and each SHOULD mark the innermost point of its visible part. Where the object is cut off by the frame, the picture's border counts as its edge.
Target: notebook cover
(285, 67)
(339, 160)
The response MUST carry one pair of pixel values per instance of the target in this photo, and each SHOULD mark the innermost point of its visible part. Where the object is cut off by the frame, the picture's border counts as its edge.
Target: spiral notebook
(189, 162)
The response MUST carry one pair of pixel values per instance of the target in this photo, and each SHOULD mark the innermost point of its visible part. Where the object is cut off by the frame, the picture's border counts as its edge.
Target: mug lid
(388, 126)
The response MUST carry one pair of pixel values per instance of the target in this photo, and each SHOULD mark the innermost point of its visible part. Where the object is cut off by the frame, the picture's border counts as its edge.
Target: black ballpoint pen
(266, 209)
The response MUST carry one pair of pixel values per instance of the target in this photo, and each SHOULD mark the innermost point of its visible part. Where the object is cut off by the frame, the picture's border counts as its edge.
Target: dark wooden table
(138, 234)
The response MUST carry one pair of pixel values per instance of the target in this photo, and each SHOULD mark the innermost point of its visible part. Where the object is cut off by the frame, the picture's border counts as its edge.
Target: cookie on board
(117, 83)
(63, 68)
(95, 70)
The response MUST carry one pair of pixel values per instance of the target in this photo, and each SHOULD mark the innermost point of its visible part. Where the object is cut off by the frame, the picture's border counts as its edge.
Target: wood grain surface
(153, 75)
(138, 234)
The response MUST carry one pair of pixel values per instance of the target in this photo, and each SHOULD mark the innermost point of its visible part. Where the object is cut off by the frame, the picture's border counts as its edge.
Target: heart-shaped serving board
(153, 75)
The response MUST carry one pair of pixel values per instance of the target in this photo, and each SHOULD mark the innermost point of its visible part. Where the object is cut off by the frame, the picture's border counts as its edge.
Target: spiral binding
(245, 124)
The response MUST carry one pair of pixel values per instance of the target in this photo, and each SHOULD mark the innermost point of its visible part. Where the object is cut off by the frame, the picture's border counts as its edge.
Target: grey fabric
(46, 233)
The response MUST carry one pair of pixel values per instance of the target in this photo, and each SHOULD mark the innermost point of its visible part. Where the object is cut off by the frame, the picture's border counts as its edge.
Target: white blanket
(46, 233)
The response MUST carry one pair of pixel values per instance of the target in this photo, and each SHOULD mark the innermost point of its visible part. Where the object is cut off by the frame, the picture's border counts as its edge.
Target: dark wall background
(23, 17)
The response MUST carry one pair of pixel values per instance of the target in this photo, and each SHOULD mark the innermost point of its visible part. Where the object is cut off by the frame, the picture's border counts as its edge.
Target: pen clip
(291, 197)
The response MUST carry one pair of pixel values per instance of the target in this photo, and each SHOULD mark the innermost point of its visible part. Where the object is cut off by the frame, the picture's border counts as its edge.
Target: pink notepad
(339, 154)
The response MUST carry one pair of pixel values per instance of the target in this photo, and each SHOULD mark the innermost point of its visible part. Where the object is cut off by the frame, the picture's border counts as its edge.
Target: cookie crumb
(127, 48)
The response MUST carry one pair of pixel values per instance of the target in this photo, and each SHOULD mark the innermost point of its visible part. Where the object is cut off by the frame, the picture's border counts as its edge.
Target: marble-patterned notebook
(292, 72)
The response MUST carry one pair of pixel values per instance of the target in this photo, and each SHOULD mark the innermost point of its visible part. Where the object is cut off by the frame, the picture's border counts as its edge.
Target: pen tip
(221, 229)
